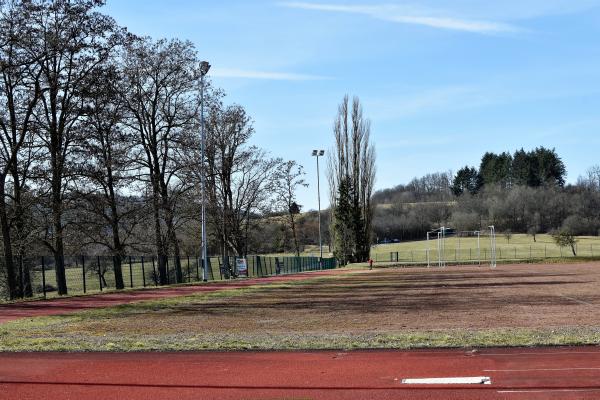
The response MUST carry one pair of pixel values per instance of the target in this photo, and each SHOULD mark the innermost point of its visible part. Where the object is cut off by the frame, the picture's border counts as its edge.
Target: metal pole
(319, 202)
(202, 176)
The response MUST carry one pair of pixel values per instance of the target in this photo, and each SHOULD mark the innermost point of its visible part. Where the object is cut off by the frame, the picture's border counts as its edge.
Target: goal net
(447, 245)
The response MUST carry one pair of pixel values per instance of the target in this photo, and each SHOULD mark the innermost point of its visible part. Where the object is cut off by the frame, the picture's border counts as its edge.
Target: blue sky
(442, 81)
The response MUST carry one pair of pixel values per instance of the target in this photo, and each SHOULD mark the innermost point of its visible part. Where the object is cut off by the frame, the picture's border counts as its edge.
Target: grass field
(464, 249)
(83, 277)
(513, 305)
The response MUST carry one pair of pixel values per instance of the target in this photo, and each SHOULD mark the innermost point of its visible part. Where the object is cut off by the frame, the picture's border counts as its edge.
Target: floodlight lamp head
(204, 67)
(321, 152)
(315, 152)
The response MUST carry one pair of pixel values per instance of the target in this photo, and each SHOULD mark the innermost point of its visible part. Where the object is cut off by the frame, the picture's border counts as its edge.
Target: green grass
(138, 275)
(519, 247)
(28, 341)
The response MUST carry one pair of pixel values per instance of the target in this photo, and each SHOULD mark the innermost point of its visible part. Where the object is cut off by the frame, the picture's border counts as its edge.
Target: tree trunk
(13, 284)
(160, 250)
(20, 231)
(118, 268)
(59, 261)
(117, 245)
(293, 226)
(171, 234)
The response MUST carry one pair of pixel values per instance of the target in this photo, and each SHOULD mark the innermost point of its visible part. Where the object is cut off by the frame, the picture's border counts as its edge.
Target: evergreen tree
(466, 179)
(344, 224)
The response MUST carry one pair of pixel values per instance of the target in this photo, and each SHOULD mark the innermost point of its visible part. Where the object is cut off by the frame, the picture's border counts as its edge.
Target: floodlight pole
(204, 67)
(317, 154)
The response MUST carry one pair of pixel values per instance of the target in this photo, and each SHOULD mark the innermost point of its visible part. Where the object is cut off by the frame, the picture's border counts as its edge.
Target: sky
(442, 81)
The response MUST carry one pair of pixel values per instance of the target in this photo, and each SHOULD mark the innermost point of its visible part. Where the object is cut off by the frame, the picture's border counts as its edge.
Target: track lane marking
(547, 390)
(542, 369)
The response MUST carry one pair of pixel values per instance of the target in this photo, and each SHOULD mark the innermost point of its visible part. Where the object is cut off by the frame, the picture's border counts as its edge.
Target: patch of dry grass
(392, 308)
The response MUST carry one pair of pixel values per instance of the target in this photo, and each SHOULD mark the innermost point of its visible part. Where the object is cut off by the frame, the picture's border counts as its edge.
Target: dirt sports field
(389, 308)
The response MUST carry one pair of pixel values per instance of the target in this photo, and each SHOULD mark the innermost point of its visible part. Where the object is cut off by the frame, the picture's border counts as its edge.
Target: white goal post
(443, 232)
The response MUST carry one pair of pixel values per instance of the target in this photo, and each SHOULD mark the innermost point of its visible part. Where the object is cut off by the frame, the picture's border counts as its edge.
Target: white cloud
(410, 15)
(264, 75)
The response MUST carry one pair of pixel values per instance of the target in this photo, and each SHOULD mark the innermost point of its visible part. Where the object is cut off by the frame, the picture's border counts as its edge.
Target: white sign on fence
(242, 266)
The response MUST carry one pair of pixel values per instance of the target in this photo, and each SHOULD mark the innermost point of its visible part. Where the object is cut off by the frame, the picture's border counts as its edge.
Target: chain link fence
(36, 276)
(482, 255)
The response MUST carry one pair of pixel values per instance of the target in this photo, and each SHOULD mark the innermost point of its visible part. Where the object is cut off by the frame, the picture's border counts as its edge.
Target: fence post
(99, 273)
(44, 276)
(545, 251)
(143, 273)
(130, 273)
(83, 272)
(515, 253)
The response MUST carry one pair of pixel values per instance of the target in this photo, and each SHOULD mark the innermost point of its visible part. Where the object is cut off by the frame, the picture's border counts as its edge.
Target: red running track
(533, 373)
(12, 311)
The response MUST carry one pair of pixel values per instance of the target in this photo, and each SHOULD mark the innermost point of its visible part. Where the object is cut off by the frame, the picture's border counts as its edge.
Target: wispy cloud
(410, 15)
(264, 75)
(426, 102)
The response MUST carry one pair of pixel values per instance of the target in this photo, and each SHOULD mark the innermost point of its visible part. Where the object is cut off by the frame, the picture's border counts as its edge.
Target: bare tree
(75, 40)
(288, 178)
(20, 92)
(237, 177)
(162, 79)
(107, 169)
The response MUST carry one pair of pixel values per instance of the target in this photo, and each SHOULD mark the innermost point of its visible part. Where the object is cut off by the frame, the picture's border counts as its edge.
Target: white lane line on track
(542, 369)
(467, 380)
(547, 390)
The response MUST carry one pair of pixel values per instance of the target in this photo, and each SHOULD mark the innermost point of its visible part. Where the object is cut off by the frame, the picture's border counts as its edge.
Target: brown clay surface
(392, 300)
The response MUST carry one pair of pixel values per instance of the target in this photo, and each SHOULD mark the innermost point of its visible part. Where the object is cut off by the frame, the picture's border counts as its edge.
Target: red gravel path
(68, 305)
(546, 373)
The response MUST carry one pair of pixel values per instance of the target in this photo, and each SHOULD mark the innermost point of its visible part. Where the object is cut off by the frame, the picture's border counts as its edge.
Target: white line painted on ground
(547, 390)
(541, 369)
(467, 380)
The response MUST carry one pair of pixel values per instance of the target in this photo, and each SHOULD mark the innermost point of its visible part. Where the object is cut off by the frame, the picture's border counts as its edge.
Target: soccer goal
(442, 256)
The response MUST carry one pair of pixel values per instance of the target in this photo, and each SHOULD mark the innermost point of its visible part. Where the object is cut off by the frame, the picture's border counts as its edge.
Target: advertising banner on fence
(242, 267)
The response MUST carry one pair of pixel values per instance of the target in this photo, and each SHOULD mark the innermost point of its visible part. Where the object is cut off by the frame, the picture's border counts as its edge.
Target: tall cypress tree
(344, 224)
(352, 164)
